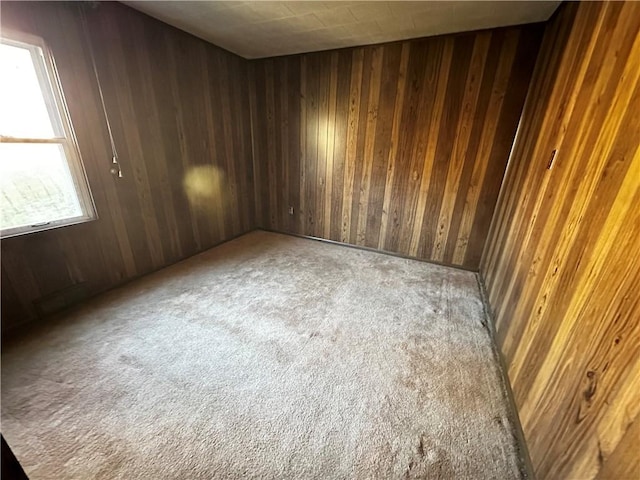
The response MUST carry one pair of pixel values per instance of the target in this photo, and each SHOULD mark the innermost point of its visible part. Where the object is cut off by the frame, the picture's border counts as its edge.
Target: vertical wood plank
(393, 149)
(356, 73)
(369, 142)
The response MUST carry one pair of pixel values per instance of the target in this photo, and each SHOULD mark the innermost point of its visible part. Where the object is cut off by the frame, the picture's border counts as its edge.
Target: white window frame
(65, 136)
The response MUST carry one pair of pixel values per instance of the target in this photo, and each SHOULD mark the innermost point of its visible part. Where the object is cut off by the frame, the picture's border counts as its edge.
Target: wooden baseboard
(526, 466)
(368, 249)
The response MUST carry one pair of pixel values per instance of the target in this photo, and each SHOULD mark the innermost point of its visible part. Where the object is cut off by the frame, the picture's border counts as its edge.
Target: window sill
(20, 231)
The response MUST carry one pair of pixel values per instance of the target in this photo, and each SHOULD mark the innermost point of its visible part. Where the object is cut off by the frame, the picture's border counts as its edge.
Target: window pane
(36, 185)
(23, 111)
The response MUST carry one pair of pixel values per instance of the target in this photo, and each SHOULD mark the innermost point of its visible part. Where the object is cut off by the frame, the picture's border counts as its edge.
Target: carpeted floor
(267, 357)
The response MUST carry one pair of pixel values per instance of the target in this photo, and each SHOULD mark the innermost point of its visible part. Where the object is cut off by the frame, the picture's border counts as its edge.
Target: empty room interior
(320, 240)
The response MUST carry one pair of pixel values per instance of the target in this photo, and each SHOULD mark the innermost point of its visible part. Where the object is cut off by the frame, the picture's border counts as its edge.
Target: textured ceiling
(265, 29)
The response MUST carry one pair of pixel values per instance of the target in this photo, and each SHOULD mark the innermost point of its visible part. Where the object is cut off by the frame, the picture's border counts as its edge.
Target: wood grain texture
(400, 147)
(180, 116)
(561, 264)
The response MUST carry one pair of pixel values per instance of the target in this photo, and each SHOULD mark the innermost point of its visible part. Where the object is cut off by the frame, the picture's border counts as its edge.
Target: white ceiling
(266, 28)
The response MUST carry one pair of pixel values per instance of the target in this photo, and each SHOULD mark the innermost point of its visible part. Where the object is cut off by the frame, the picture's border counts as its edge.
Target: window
(42, 181)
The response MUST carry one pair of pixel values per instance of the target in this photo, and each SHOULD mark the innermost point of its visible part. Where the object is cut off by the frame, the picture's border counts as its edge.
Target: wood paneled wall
(180, 115)
(562, 263)
(400, 147)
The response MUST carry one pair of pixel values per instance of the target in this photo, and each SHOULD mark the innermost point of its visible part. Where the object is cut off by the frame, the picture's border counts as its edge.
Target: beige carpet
(268, 357)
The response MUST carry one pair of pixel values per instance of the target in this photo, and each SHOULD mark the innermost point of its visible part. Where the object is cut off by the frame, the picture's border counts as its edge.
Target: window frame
(52, 92)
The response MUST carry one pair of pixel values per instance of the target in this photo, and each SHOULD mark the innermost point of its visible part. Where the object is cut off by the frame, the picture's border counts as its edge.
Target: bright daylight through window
(42, 182)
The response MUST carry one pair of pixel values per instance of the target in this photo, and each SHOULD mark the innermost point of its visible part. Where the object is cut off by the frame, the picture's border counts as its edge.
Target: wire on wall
(115, 168)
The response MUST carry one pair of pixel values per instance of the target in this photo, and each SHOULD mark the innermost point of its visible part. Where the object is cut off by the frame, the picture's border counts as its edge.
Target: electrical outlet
(290, 210)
